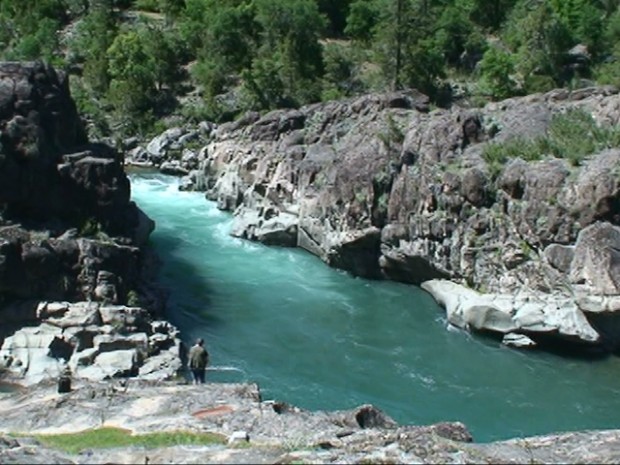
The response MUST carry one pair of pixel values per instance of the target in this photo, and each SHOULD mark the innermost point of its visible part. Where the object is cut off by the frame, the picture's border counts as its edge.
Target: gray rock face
(344, 167)
(596, 261)
(382, 187)
(115, 364)
(47, 168)
(66, 269)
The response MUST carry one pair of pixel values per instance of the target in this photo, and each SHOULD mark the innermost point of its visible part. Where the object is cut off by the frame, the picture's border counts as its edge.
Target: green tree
(95, 34)
(456, 34)
(165, 53)
(42, 44)
(29, 28)
(191, 23)
(227, 44)
(341, 77)
(608, 6)
(171, 8)
(361, 20)
(26, 14)
(583, 18)
(490, 14)
(540, 41)
(496, 68)
(405, 46)
(132, 75)
(608, 72)
(289, 42)
(336, 12)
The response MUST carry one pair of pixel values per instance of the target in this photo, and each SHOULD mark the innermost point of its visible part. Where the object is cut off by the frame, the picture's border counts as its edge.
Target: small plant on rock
(133, 299)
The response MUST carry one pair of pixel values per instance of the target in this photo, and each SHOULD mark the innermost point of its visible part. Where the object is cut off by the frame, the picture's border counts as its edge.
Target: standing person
(198, 360)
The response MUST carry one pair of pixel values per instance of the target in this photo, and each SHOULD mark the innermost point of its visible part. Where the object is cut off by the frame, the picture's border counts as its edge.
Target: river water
(321, 339)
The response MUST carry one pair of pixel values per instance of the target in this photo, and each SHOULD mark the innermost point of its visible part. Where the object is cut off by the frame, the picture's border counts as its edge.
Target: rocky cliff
(384, 186)
(68, 229)
(70, 233)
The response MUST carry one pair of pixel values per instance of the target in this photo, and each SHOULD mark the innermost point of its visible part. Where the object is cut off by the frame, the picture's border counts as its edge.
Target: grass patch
(109, 437)
(572, 135)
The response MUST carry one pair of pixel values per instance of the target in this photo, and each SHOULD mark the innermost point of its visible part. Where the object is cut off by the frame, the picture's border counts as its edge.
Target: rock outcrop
(93, 341)
(70, 233)
(68, 229)
(253, 430)
(383, 187)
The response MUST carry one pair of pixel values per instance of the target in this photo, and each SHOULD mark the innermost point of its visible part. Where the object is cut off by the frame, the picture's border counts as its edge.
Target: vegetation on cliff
(139, 58)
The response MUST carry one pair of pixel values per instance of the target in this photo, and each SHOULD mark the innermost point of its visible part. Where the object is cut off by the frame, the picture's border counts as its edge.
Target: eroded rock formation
(68, 229)
(382, 186)
(70, 233)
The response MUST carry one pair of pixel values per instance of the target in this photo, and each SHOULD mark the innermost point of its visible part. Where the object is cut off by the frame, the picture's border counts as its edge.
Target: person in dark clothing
(198, 360)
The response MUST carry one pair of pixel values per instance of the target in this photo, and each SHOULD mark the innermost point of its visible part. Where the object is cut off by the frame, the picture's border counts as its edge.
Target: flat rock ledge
(525, 318)
(260, 431)
(91, 340)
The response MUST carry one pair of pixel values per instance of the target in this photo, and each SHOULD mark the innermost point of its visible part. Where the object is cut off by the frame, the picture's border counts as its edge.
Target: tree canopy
(132, 55)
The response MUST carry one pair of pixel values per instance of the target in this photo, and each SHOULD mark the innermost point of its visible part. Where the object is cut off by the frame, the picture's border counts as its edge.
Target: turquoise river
(323, 340)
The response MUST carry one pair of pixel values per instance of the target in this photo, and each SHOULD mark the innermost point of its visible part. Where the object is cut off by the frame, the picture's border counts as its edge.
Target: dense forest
(140, 60)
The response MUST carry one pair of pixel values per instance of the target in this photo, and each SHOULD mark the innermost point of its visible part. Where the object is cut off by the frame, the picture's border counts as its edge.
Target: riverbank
(73, 245)
(248, 429)
(518, 198)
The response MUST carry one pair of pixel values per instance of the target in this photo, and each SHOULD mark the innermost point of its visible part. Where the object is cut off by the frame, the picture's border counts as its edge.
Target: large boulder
(160, 144)
(95, 341)
(540, 317)
(115, 364)
(36, 353)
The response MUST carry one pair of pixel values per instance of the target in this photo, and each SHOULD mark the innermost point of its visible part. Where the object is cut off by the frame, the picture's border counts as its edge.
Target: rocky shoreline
(384, 187)
(367, 184)
(254, 430)
(76, 278)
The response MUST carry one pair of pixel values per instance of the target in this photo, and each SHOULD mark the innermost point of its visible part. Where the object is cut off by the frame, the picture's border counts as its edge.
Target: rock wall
(68, 229)
(383, 186)
(70, 233)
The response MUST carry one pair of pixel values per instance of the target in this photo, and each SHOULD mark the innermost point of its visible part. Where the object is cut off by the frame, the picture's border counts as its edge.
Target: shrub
(133, 299)
(572, 136)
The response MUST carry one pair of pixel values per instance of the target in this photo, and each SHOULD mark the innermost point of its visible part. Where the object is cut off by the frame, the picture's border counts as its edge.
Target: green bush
(572, 135)
(340, 77)
(133, 299)
(496, 68)
(90, 227)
